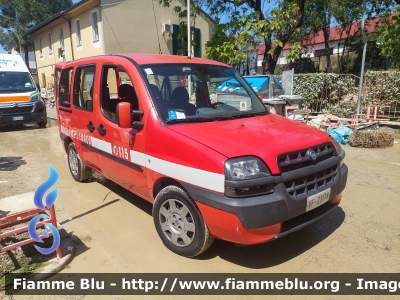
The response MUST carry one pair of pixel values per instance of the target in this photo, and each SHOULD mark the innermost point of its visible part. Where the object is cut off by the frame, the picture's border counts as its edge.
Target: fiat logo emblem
(15, 104)
(311, 153)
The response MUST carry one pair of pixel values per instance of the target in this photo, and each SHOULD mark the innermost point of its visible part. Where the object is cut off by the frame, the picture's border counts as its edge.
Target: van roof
(11, 62)
(144, 59)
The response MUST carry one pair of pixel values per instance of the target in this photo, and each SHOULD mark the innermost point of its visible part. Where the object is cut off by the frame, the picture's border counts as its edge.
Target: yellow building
(96, 27)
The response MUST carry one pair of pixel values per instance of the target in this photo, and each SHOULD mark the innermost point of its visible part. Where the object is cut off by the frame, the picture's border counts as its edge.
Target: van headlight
(339, 150)
(245, 168)
(35, 98)
(247, 176)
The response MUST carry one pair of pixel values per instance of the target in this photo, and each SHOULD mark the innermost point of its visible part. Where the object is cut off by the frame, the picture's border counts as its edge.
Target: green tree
(18, 16)
(389, 38)
(181, 11)
(248, 24)
(251, 20)
(318, 17)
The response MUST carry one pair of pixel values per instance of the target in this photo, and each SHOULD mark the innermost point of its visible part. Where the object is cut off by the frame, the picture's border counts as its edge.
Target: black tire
(43, 123)
(79, 171)
(187, 243)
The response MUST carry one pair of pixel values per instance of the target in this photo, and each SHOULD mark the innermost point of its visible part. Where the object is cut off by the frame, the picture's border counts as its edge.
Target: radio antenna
(155, 21)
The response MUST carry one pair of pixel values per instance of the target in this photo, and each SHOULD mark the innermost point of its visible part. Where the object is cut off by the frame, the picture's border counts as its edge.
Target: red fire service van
(212, 169)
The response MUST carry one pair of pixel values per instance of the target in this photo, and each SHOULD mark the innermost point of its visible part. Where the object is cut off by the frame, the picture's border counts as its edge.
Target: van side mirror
(124, 115)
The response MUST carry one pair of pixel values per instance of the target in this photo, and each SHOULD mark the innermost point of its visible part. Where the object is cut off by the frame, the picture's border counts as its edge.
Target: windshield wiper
(188, 120)
(211, 118)
(246, 115)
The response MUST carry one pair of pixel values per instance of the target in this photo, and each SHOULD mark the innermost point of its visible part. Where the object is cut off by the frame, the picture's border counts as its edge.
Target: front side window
(64, 87)
(116, 87)
(201, 93)
(78, 33)
(95, 27)
(14, 82)
(83, 87)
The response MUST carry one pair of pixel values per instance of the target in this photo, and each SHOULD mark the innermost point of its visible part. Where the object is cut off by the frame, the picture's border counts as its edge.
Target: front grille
(16, 110)
(300, 159)
(311, 182)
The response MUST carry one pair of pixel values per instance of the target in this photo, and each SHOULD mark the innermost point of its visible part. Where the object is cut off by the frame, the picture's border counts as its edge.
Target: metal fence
(338, 93)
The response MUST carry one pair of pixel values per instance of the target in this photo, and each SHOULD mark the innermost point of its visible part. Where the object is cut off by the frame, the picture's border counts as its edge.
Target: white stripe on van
(101, 145)
(208, 180)
(138, 158)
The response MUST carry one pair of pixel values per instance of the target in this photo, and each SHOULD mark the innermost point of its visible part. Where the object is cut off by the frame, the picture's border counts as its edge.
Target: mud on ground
(115, 229)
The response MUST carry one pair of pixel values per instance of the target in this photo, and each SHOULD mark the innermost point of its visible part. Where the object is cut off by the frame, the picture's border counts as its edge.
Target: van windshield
(16, 82)
(201, 93)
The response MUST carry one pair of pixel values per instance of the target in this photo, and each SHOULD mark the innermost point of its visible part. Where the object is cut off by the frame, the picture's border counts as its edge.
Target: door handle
(91, 127)
(101, 130)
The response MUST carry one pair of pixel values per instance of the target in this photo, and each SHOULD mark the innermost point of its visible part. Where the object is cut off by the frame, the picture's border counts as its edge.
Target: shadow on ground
(11, 163)
(257, 256)
(23, 261)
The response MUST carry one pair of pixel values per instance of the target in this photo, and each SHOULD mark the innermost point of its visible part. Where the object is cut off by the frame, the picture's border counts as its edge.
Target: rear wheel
(179, 223)
(78, 169)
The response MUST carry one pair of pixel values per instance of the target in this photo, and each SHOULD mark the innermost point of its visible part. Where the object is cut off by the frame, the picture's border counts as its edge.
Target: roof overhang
(56, 17)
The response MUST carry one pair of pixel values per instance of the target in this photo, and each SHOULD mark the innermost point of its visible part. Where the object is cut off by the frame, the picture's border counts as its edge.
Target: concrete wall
(137, 33)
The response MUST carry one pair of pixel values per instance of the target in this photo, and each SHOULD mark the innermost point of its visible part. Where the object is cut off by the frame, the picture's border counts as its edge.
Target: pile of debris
(364, 134)
(379, 138)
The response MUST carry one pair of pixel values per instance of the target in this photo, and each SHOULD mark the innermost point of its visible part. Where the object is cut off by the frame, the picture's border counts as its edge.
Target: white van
(20, 100)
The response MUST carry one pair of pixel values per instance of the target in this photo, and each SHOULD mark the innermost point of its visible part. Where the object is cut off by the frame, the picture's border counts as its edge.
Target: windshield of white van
(201, 93)
(16, 82)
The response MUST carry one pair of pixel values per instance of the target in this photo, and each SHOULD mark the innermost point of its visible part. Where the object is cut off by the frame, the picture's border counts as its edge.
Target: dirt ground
(115, 233)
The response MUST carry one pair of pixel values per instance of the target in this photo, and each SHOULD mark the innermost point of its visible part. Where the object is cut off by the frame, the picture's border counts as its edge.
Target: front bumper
(31, 112)
(257, 219)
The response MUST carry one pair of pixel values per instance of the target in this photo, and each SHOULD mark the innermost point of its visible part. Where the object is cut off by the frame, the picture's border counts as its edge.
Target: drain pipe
(70, 36)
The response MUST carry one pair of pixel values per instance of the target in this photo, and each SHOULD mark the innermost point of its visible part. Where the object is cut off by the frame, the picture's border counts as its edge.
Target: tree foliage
(18, 16)
(389, 38)
(249, 23)
(181, 12)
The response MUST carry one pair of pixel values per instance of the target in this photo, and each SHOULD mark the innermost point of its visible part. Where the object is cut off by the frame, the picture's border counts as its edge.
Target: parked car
(20, 100)
(210, 170)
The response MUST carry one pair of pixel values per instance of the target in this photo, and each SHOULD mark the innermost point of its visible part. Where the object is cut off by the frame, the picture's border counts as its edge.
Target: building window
(322, 52)
(78, 33)
(50, 44)
(179, 46)
(40, 47)
(61, 38)
(95, 27)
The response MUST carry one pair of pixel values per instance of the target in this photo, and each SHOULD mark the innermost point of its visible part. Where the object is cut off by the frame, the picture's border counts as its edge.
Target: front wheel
(78, 169)
(179, 223)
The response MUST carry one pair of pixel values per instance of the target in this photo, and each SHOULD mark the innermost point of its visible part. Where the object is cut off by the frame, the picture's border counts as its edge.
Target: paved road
(115, 232)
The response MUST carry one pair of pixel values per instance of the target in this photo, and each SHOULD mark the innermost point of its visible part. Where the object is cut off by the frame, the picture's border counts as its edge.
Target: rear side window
(65, 83)
(83, 87)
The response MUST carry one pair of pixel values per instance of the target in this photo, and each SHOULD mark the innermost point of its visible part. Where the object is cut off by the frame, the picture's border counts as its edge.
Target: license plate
(318, 199)
(18, 118)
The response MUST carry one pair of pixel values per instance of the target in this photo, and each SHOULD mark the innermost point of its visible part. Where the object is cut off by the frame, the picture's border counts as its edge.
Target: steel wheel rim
(73, 162)
(177, 223)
